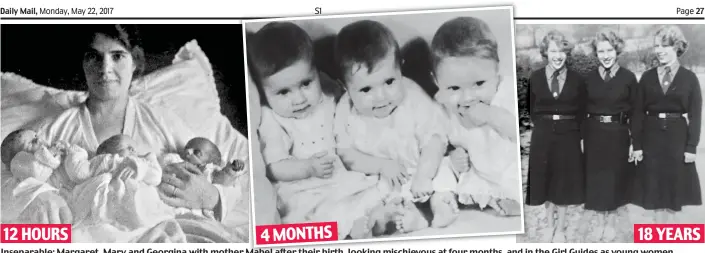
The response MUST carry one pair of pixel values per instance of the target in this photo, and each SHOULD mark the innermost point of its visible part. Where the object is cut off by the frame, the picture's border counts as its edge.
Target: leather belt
(667, 115)
(602, 118)
(556, 117)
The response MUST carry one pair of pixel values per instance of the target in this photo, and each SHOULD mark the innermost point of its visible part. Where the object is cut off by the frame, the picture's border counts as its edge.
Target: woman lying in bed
(111, 62)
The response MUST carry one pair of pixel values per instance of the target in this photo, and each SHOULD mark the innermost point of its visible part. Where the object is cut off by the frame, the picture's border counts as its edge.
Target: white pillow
(187, 87)
(25, 102)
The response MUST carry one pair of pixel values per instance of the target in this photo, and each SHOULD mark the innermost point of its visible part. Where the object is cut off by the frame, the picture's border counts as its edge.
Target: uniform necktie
(666, 79)
(608, 75)
(555, 89)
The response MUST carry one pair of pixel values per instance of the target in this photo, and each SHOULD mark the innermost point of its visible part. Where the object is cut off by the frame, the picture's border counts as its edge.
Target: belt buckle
(606, 119)
(661, 115)
(556, 117)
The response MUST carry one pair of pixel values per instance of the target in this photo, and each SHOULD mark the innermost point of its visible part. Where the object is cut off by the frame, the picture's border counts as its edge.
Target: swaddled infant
(205, 155)
(115, 155)
(28, 156)
(116, 187)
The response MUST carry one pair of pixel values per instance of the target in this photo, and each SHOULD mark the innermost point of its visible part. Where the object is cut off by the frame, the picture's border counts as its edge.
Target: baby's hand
(478, 114)
(421, 187)
(322, 165)
(126, 173)
(59, 148)
(229, 173)
(460, 159)
(395, 174)
(56, 151)
(130, 163)
(236, 166)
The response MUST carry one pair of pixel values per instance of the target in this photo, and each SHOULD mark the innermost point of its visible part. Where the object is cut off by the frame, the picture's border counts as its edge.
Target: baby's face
(124, 147)
(466, 81)
(294, 91)
(379, 92)
(198, 152)
(28, 141)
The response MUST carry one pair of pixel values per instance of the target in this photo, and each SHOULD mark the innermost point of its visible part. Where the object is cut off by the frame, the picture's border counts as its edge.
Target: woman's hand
(636, 156)
(186, 186)
(47, 208)
(690, 157)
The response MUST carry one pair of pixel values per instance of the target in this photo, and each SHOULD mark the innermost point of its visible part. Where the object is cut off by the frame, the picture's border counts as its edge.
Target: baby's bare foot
(410, 219)
(361, 228)
(445, 209)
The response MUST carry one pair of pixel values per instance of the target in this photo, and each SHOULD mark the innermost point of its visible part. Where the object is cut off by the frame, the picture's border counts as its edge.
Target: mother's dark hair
(126, 35)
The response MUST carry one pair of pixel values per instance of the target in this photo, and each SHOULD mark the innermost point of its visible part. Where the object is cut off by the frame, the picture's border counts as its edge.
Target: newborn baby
(116, 187)
(205, 155)
(28, 156)
(115, 155)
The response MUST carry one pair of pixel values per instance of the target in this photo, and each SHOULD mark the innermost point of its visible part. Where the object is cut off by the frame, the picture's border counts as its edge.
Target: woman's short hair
(560, 40)
(126, 35)
(609, 36)
(672, 35)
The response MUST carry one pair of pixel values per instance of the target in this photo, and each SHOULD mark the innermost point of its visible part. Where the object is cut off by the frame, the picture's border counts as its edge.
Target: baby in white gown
(482, 109)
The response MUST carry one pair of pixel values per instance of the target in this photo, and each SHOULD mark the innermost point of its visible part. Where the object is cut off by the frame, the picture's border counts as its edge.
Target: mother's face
(666, 54)
(556, 56)
(606, 53)
(108, 67)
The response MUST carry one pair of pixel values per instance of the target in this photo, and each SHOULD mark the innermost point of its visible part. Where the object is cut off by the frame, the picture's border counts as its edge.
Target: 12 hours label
(35, 233)
(297, 233)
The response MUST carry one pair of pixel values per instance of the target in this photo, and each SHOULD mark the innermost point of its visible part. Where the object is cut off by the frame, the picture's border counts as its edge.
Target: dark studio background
(49, 55)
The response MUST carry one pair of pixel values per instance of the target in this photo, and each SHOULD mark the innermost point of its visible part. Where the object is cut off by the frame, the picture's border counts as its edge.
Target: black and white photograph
(128, 132)
(610, 121)
(395, 126)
